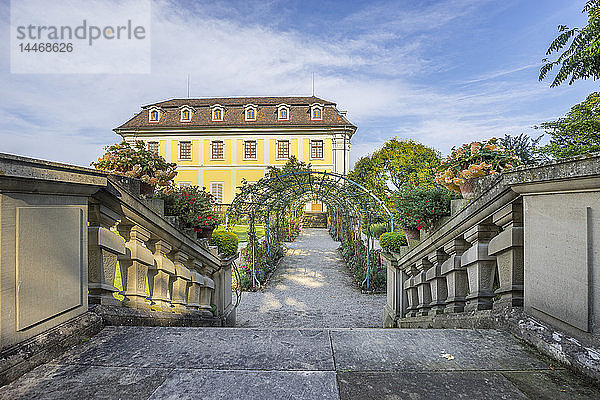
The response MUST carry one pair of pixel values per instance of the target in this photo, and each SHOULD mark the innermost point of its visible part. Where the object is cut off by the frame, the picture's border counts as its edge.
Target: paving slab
(206, 348)
(66, 382)
(263, 385)
(430, 350)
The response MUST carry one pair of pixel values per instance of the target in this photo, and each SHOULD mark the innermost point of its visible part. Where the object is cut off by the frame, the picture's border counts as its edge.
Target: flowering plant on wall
(136, 161)
(193, 204)
(472, 161)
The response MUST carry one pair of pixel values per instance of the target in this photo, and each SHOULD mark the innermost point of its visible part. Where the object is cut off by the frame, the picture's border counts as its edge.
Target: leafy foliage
(581, 59)
(474, 160)
(576, 133)
(137, 162)
(392, 241)
(524, 147)
(399, 161)
(378, 228)
(192, 204)
(420, 206)
(226, 242)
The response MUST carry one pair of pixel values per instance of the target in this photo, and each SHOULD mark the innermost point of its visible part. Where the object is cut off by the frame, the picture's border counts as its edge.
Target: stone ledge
(546, 339)
(127, 316)
(17, 360)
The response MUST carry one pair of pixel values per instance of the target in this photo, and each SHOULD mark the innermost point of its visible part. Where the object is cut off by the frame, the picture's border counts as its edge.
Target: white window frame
(222, 184)
(222, 150)
(189, 109)
(214, 109)
(191, 150)
(158, 113)
(287, 112)
(153, 142)
(314, 107)
(250, 107)
(182, 184)
(255, 150)
(322, 149)
(277, 149)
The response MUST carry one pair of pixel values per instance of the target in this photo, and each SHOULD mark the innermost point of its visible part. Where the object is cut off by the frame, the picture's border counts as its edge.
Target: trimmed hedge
(392, 241)
(378, 229)
(226, 242)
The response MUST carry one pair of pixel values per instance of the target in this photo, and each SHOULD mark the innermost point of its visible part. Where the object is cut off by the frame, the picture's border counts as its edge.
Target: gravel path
(312, 288)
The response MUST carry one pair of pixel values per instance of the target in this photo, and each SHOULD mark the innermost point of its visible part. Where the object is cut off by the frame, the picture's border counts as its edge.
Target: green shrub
(378, 228)
(226, 242)
(392, 241)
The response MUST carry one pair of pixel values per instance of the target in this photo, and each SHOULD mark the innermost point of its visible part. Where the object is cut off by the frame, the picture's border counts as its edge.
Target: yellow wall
(175, 153)
(260, 152)
(326, 152)
(226, 153)
(273, 151)
(162, 149)
(251, 175)
(219, 176)
(186, 176)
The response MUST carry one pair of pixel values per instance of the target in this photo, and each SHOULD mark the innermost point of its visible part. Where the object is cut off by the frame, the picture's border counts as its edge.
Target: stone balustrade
(68, 233)
(529, 241)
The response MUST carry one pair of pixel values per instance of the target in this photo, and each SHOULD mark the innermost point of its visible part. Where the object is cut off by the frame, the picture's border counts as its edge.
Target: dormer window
(283, 113)
(186, 114)
(316, 112)
(154, 115)
(217, 113)
(250, 113)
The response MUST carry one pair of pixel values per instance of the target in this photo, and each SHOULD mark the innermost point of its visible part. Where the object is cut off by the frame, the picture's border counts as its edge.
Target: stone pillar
(104, 247)
(481, 267)
(159, 274)
(134, 264)
(411, 291)
(507, 247)
(183, 277)
(437, 281)
(456, 276)
(194, 292)
(223, 294)
(423, 288)
(395, 306)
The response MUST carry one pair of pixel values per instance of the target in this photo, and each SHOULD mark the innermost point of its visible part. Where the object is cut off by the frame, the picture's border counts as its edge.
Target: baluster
(206, 296)
(437, 282)
(104, 247)
(411, 291)
(423, 289)
(507, 247)
(134, 264)
(196, 284)
(160, 273)
(456, 276)
(181, 281)
(481, 267)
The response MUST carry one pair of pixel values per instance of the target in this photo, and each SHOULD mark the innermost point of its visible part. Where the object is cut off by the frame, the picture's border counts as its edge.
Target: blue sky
(440, 72)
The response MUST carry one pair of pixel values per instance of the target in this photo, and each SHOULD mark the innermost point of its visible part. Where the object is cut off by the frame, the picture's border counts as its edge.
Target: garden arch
(278, 197)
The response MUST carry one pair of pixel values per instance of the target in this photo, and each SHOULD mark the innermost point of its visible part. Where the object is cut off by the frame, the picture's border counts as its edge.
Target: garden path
(311, 288)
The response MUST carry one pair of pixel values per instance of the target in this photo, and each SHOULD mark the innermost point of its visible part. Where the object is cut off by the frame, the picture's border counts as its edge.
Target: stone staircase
(314, 219)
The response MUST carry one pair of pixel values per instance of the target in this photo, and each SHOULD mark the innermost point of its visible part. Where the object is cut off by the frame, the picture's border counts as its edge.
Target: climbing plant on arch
(279, 197)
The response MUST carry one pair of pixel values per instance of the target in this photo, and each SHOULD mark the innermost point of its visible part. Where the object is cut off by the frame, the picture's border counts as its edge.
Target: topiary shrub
(392, 241)
(378, 228)
(226, 242)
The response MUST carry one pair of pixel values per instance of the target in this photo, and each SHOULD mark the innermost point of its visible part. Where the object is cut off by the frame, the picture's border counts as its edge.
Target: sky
(439, 72)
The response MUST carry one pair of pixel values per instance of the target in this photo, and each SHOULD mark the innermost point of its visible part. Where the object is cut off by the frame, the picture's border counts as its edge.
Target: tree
(399, 161)
(524, 147)
(576, 133)
(581, 60)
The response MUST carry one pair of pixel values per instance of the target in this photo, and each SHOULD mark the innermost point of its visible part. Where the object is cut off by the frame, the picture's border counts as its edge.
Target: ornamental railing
(530, 238)
(73, 237)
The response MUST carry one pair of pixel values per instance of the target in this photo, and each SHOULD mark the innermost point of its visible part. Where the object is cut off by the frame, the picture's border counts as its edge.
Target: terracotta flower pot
(205, 232)
(467, 190)
(412, 233)
(146, 189)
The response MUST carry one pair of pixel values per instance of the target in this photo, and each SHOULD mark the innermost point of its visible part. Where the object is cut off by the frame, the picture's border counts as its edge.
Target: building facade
(219, 142)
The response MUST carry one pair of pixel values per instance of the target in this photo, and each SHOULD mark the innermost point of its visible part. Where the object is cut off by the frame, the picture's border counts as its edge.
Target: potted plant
(419, 206)
(471, 161)
(194, 206)
(136, 161)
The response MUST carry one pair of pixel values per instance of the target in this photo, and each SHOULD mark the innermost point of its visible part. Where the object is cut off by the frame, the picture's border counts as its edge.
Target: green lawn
(242, 231)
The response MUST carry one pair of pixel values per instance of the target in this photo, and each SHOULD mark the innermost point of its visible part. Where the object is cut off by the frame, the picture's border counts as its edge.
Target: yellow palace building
(218, 142)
